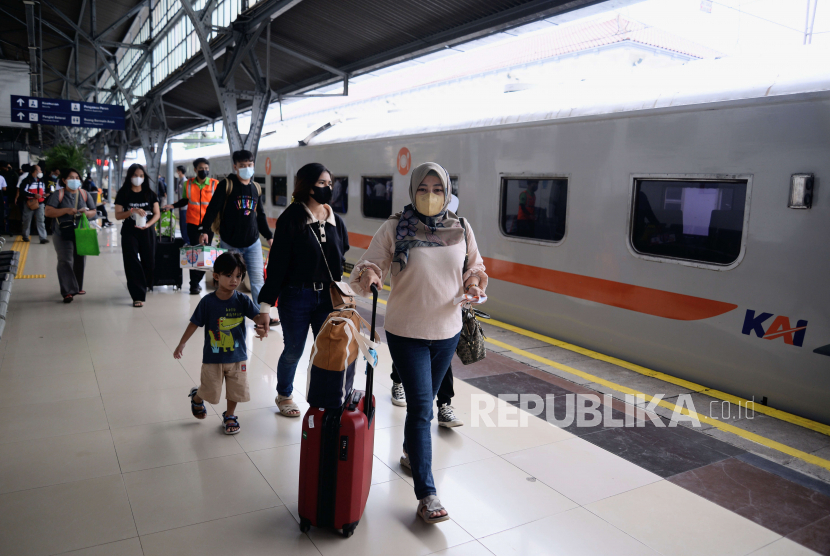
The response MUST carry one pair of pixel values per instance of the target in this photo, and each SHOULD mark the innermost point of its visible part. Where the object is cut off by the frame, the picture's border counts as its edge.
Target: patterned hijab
(416, 230)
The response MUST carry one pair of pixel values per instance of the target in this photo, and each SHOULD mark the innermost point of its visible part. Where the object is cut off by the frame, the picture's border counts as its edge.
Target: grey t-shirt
(69, 202)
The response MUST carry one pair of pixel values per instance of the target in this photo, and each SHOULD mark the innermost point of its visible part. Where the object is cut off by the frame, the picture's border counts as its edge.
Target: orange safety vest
(198, 199)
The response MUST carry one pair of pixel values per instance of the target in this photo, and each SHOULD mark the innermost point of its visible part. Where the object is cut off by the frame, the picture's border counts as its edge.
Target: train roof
(457, 107)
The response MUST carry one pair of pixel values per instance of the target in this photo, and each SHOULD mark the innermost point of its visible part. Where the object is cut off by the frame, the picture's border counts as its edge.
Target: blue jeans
(421, 365)
(253, 260)
(298, 308)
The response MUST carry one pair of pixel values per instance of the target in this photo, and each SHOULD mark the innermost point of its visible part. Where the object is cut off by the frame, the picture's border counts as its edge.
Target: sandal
(287, 406)
(198, 409)
(67, 299)
(430, 505)
(82, 292)
(405, 461)
(234, 423)
(138, 304)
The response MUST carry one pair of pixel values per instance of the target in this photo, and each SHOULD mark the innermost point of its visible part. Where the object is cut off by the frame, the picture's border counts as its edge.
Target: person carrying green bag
(68, 206)
(86, 239)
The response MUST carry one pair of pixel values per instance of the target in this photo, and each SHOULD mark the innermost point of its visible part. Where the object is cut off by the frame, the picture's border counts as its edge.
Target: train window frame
(391, 177)
(272, 191)
(629, 235)
(503, 177)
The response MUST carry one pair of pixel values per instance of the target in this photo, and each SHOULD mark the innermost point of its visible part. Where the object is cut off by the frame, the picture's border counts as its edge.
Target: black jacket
(296, 257)
(243, 218)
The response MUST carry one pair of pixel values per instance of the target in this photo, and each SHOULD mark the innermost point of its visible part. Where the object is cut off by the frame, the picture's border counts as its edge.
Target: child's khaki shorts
(236, 382)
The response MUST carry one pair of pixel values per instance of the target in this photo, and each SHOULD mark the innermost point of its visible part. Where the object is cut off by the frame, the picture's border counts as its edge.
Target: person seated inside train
(526, 219)
(422, 322)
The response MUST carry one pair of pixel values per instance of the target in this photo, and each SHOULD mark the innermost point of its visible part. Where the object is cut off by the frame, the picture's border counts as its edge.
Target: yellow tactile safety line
(782, 415)
(23, 247)
(809, 458)
(698, 388)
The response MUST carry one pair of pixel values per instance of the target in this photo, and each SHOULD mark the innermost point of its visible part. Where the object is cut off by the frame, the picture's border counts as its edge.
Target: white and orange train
(656, 228)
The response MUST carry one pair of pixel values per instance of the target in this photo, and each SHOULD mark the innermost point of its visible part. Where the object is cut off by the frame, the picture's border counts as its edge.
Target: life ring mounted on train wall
(404, 161)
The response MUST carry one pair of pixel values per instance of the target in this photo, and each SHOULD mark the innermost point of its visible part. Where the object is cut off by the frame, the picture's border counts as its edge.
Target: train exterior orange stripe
(650, 301)
(659, 303)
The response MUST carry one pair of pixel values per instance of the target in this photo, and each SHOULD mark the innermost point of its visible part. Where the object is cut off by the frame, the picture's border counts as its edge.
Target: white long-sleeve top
(421, 303)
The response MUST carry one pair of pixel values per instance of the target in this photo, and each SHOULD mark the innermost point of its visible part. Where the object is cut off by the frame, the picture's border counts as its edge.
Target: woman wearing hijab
(138, 207)
(66, 205)
(310, 241)
(423, 247)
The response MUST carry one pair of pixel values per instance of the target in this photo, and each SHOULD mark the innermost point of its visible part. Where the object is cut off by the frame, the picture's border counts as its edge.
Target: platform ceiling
(351, 36)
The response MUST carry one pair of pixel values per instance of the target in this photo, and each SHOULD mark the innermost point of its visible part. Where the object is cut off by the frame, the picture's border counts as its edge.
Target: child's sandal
(198, 409)
(234, 423)
(430, 505)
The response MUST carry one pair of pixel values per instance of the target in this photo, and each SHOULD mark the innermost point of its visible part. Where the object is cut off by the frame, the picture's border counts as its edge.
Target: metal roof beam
(188, 111)
(123, 19)
(246, 30)
(305, 58)
(123, 44)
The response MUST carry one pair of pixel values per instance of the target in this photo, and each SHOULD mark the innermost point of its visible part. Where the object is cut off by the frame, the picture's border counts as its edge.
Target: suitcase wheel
(348, 530)
(305, 525)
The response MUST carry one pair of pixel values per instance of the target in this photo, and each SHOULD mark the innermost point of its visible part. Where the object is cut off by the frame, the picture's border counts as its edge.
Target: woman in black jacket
(298, 273)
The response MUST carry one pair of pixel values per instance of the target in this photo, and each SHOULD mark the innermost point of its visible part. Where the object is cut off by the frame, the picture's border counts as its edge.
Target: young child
(222, 313)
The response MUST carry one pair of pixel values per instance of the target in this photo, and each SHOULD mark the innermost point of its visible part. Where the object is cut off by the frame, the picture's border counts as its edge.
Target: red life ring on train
(404, 161)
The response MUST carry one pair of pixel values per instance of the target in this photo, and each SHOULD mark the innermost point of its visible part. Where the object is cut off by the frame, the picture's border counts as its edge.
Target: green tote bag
(86, 238)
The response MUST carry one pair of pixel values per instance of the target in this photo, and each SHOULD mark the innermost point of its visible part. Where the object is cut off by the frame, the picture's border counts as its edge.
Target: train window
(534, 208)
(454, 185)
(377, 197)
(340, 194)
(261, 180)
(279, 191)
(697, 220)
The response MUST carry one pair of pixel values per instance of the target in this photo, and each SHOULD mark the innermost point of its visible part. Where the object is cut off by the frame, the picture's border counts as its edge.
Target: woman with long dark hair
(310, 241)
(138, 207)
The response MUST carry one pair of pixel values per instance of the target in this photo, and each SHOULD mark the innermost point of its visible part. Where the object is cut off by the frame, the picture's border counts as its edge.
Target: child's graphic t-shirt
(224, 323)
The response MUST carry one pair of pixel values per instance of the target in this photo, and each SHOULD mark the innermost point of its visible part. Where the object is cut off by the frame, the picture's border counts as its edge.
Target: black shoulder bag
(66, 228)
(471, 343)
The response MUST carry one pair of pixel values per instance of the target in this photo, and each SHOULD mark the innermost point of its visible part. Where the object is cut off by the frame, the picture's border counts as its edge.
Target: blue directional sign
(51, 111)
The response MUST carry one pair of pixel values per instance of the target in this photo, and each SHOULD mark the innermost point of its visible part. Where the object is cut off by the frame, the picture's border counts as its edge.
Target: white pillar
(170, 174)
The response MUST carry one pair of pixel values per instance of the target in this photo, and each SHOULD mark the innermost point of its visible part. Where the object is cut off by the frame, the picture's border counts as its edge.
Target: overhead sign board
(51, 111)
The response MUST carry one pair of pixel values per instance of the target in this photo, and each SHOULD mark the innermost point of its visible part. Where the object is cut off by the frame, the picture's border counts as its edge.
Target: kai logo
(780, 327)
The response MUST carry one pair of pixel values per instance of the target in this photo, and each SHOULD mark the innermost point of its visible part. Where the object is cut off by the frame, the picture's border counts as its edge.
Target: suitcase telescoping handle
(368, 407)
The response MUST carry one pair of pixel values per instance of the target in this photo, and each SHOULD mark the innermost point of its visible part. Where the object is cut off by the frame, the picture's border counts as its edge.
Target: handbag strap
(466, 245)
(324, 255)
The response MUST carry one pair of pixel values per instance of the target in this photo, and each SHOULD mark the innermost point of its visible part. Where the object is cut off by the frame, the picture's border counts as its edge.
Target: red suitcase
(336, 458)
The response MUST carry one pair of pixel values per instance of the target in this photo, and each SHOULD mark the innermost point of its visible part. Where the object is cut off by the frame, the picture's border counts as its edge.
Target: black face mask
(321, 194)
(203, 174)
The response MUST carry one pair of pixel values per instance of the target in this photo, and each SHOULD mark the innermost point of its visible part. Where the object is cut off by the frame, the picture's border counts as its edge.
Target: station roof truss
(177, 65)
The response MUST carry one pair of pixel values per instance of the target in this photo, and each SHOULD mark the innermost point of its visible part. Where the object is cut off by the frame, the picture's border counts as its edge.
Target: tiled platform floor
(99, 455)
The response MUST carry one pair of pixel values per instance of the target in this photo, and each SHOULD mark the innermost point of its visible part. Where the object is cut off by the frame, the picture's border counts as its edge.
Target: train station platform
(100, 455)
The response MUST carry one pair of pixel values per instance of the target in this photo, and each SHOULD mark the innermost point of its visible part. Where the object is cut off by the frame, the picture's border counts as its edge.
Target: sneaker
(26, 239)
(446, 417)
(196, 291)
(398, 395)
(42, 241)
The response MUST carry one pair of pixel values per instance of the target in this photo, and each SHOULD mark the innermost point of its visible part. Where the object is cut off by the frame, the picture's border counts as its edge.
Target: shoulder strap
(466, 245)
(60, 195)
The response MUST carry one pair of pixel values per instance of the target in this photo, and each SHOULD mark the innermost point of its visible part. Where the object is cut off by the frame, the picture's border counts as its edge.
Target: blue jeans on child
(421, 365)
(253, 260)
(298, 308)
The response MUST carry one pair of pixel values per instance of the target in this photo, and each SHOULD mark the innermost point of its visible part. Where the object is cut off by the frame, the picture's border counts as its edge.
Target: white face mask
(246, 172)
(136, 181)
(40, 175)
(74, 185)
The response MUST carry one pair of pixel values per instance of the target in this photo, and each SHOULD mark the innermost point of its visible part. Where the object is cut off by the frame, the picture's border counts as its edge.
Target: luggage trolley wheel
(348, 530)
(305, 525)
